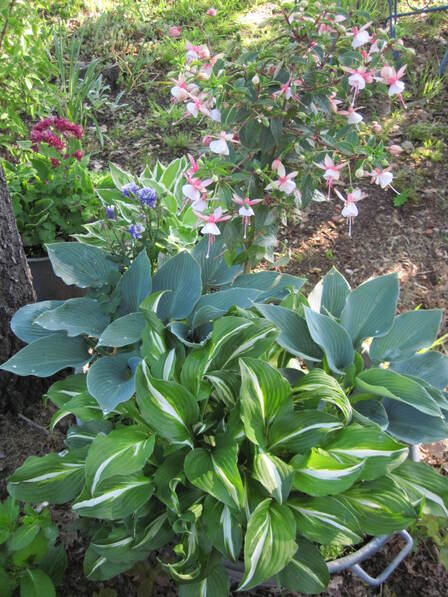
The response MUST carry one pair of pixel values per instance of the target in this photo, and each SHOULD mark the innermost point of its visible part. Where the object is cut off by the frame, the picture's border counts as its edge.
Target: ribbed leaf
(370, 309)
(97, 567)
(123, 331)
(223, 528)
(411, 425)
(329, 294)
(214, 270)
(216, 584)
(135, 284)
(274, 475)
(83, 406)
(318, 385)
(110, 380)
(269, 543)
(212, 306)
(307, 572)
(430, 366)
(300, 430)
(76, 316)
(273, 284)
(22, 323)
(422, 479)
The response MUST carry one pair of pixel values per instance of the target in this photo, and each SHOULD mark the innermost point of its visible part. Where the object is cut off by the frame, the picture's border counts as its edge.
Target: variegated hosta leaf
(216, 472)
(300, 430)
(319, 473)
(115, 498)
(226, 386)
(51, 478)
(83, 406)
(223, 528)
(166, 406)
(216, 584)
(153, 341)
(325, 520)
(421, 481)
(307, 572)
(263, 392)
(64, 390)
(80, 436)
(167, 477)
(380, 506)
(97, 567)
(275, 475)
(269, 544)
(380, 452)
(318, 385)
(193, 369)
(123, 451)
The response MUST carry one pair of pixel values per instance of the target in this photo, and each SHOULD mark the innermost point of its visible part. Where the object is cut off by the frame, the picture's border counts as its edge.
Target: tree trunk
(16, 290)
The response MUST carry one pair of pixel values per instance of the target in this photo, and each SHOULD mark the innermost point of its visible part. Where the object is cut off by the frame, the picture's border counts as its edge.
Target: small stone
(349, 271)
(407, 146)
(428, 232)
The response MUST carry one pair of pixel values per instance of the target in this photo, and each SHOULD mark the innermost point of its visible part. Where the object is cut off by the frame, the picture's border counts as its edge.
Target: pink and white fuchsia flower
(350, 210)
(360, 36)
(382, 177)
(353, 117)
(182, 90)
(285, 182)
(245, 211)
(210, 228)
(198, 52)
(389, 76)
(331, 171)
(359, 78)
(285, 89)
(220, 146)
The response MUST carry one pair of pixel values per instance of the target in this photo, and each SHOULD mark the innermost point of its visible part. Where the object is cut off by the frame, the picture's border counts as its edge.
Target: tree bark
(16, 290)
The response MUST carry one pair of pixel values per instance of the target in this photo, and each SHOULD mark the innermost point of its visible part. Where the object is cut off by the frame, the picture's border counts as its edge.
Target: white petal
(189, 191)
(192, 107)
(210, 228)
(350, 210)
(215, 115)
(220, 147)
(246, 211)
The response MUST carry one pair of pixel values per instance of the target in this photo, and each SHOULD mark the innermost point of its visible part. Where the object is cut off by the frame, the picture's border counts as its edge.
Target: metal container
(47, 285)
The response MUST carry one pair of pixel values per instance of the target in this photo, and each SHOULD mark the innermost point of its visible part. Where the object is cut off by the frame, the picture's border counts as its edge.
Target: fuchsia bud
(175, 31)
(207, 140)
(212, 12)
(395, 149)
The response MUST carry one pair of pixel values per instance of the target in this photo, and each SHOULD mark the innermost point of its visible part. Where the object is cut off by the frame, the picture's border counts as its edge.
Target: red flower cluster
(53, 131)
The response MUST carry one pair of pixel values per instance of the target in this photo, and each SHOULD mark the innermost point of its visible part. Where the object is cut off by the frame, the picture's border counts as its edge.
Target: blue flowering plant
(146, 212)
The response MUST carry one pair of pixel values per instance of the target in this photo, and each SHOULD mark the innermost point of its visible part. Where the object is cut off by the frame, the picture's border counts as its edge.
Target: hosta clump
(251, 443)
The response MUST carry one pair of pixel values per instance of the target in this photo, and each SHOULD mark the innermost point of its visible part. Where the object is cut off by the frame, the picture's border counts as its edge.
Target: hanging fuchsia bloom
(334, 103)
(284, 182)
(285, 89)
(194, 166)
(245, 211)
(196, 52)
(389, 76)
(360, 36)
(210, 227)
(220, 145)
(199, 104)
(182, 90)
(353, 117)
(382, 177)
(331, 171)
(350, 211)
(359, 78)
(195, 190)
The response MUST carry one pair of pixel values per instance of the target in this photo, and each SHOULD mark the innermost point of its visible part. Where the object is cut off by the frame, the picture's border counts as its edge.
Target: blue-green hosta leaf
(97, 567)
(380, 506)
(216, 584)
(294, 334)
(430, 366)
(126, 449)
(410, 332)
(166, 406)
(110, 380)
(48, 355)
(84, 265)
(300, 430)
(318, 385)
(332, 339)
(389, 384)
(273, 284)
(182, 276)
(214, 270)
(123, 331)
(380, 452)
(269, 544)
(307, 572)
(371, 411)
(411, 425)
(22, 323)
(369, 310)
(423, 481)
(223, 528)
(329, 294)
(75, 317)
(275, 475)
(36, 583)
(135, 284)
(212, 306)
(325, 520)
(263, 392)
(320, 473)
(51, 478)
(116, 497)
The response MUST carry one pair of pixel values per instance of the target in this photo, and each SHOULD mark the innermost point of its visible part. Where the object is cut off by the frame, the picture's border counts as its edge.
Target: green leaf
(166, 406)
(123, 331)
(431, 366)
(325, 520)
(411, 425)
(263, 392)
(182, 276)
(318, 385)
(387, 383)
(223, 528)
(275, 475)
(48, 355)
(84, 265)
(75, 317)
(35, 583)
(320, 473)
(64, 390)
(97, 567)
(216, 584)
(410, 332)
(380, 452)
(269, 543)
(135, 284)
(22, 323)
(300, 430)
(214, 270)
(51, 478)
(307, 572)
(23, 536)
(294, 334)
(273, 284)
(110, 380)
(212, 306)
(369, 310)
(332, 339)
(83, 406)
(126, 449)
(329, 295)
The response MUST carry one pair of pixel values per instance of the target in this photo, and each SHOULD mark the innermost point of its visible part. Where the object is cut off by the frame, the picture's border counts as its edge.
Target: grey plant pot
(47, 285)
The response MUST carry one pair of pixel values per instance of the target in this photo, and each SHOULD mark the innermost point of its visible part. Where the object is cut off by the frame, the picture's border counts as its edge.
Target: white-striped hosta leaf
(319, 473)
(300, 430)
(263, 392)
(82, 406)
(381, 453)
(275, 475)
(380, 506)
(51, 478)
(97, 567)
(307, 572)
(226, 386)
(80, 436)
(223, 528)
(64, 390)
(325, 520)
(166, 406)
(216, 584)
(116, 498)
(123, 451)
(155, 534)
(318, 385)
(269, 544)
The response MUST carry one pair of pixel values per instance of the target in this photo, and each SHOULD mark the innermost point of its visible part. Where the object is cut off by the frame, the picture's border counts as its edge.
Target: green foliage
(30, 558)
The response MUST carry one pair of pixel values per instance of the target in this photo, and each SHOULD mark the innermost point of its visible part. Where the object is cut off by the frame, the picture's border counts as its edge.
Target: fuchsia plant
(279, 116)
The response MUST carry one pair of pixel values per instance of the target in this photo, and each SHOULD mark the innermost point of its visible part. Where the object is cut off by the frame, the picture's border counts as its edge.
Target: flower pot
(47, 285)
